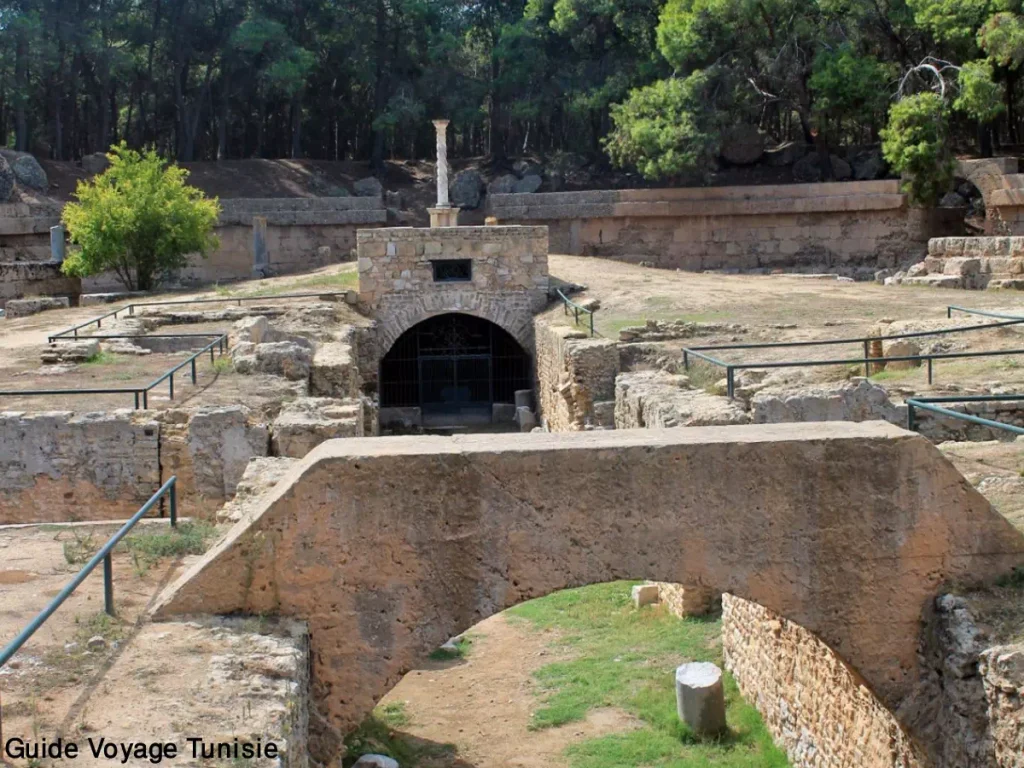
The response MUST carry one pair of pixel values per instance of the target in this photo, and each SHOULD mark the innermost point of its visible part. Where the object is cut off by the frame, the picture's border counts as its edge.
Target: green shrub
(138, 219)
(915, 146)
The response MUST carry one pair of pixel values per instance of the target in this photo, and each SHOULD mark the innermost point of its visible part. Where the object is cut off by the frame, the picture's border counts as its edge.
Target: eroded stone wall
(817, 708)
(426, 536)
(59, 466)
(857, 224)
(575, 378)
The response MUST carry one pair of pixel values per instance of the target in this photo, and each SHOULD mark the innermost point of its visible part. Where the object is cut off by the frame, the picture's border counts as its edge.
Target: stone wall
(856, 224)
(415, 539)
(575, 378)
(57, 466)
(19, 279)
(971, 262)
(297, 231)
(653, 399)
(817, 708)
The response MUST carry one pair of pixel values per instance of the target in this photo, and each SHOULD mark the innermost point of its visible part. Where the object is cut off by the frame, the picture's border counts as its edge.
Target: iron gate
(455, 365)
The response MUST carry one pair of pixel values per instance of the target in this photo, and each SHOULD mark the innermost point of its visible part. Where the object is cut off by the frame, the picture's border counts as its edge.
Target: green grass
(150, 546)
(223, 365)
(624, 658)
(610, 325)
(104, 358)
(377, 736)
(393, 714)
(462, 646)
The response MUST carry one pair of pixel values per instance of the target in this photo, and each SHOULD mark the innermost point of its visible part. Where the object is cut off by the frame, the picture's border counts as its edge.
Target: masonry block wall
(25, 267)
(508, 283)
(575, 378)
(296, 229)
(868, 224)
(817, 708)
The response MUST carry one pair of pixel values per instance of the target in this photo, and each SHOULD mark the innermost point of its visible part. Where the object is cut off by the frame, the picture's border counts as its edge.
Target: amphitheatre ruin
(791, 409)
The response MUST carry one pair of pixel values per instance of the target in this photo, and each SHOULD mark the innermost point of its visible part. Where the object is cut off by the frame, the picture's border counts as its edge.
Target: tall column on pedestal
(444, 215)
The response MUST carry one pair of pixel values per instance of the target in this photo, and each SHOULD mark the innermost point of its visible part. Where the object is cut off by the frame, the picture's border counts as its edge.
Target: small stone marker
(700, 698)
(260, 254)
(57, 245)
(375, 761)
(644, 594)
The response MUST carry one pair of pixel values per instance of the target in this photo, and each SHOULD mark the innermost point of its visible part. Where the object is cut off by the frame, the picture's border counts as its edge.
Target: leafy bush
(664, 129)
(138, 219)
(915, 146)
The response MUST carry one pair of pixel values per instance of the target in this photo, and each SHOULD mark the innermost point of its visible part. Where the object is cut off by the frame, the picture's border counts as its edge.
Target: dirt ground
(483, 703)
(49, 681)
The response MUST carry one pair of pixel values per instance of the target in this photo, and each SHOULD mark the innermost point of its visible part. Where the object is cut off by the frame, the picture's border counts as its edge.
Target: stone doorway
(452, 370)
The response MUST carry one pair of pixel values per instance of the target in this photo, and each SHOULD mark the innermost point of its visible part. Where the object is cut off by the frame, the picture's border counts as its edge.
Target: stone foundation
(19, 279)
(856, 224)
(575, 378)
(971, 262)
(817, 708)
(57, 466)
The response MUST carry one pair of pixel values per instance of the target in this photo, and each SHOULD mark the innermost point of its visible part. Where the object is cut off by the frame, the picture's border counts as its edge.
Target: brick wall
(866, 224)
(817, 708)
(575, 378)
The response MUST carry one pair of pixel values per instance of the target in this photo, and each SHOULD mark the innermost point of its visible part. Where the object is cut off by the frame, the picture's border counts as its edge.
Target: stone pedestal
(443, 217)
(700, 698)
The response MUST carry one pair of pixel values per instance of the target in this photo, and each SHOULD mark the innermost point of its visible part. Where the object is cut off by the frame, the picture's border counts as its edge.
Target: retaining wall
(857, 224)
(575, 378)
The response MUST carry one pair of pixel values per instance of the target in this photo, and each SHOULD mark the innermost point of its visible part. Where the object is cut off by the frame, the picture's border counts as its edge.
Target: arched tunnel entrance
(452, 370)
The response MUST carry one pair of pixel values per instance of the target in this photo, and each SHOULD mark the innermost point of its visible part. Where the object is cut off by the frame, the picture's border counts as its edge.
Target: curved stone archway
(386, 547)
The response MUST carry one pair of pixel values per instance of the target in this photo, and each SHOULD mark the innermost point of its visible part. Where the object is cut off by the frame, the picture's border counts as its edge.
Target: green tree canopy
(138, 219)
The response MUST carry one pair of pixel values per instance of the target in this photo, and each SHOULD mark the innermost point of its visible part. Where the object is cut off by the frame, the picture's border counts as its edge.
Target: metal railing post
(173, 503)
(108, 585)
(911, 420)
(730, 381)
(136, 400)
(591, 323)
(145, 399)
(867, 358)
(686, 360)
(929, 370)
(193, 371)
(170, 380)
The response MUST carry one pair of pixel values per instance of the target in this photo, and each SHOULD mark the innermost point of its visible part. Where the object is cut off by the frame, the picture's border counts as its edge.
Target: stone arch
(387, 547)
(511, 312)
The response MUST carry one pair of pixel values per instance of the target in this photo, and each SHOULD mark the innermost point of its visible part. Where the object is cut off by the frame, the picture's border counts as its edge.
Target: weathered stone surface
(57, 466)
(502, 185)
(700, 697)
(743, 145)
(375, 761)
(809, 170)
(6, 181)
(793, 679)
(528, 184)
(25, 307)
(261, 475)
(79, 351)
(855, 400)
(252, 330)
(21, 279)
(952, 200)
(95, 163)
(29, 173)
(209, 449)
(508, 514)
(308, 421)
(902, 348)
(466, 189)
(684, 601)
(368, 187)
(1002, 670)
(278, 358)
(574, 372)
(334, 372)
(654, 399)
(644, 594)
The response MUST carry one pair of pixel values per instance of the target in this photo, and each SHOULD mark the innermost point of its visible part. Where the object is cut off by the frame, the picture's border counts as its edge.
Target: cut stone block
(25, 307)
(700, 697)
(644, 594)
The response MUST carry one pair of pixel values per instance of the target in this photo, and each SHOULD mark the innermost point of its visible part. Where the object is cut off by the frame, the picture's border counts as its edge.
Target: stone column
(57, 244)
(443, 215)
(700, 698)
(260, 254)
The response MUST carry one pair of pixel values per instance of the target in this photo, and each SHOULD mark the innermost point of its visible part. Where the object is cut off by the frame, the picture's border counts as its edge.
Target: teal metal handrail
(104, 554)
(931, 404)
(576, 308)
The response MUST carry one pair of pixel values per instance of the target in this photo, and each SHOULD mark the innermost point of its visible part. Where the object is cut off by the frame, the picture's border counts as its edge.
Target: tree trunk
(380, 89)
(21, 90)
(296, 123)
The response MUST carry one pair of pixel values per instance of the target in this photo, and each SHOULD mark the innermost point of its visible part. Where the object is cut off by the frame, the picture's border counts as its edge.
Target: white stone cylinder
(700, 697)
(441, 126)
